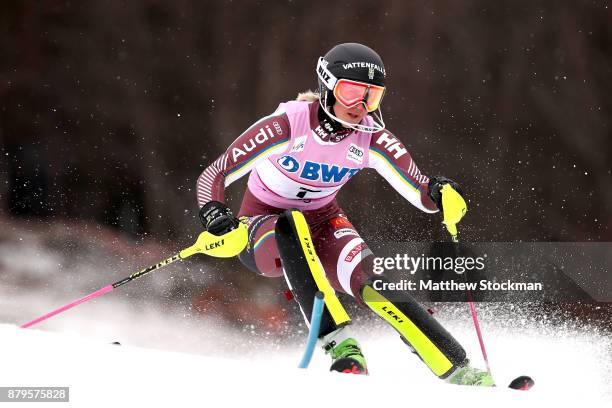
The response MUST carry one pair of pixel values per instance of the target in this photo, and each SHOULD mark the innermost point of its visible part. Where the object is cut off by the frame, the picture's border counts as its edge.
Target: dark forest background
(109, 110)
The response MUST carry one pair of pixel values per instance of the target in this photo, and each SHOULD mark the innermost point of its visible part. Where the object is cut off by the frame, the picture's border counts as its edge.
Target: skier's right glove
(217, 218)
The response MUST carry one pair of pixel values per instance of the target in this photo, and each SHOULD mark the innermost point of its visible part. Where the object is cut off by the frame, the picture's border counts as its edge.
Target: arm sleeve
(267, 136)
(389, 157)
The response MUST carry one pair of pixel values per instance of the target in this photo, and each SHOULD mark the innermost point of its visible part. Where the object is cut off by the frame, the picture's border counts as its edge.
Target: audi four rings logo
(355, 150)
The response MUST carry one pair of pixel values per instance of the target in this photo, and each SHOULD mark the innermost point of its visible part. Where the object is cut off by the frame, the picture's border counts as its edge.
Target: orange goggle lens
(350, 93)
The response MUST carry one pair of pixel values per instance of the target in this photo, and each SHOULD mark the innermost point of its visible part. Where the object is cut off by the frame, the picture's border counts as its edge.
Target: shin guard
(303, 271)
(432, 343)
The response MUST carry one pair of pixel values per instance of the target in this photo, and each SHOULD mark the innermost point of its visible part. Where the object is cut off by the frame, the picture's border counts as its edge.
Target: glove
(217, 218)
(434, 187)
(449, 198)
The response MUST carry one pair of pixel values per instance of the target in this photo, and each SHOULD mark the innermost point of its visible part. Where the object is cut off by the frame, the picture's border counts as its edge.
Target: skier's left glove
(448, 196)
(217, 218)
(435, 187)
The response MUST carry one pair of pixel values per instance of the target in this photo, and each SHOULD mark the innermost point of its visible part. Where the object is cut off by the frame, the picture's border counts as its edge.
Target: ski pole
(453, 201)
(102, 291)
(478, 331)
(474, 314)
(313, 333)
(224, 246)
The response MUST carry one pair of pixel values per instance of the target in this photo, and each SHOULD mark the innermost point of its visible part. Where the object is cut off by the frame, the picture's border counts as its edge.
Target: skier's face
(352, 115)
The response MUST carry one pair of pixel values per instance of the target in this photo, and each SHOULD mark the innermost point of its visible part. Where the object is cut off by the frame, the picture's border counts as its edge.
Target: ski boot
(345, 353)
(468, 375)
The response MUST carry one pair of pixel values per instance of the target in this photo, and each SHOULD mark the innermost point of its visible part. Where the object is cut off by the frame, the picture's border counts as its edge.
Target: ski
(522, 383)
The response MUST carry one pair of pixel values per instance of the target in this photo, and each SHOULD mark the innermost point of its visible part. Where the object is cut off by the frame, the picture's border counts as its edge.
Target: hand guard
(217, 218)
(435, 187)
(448, 196)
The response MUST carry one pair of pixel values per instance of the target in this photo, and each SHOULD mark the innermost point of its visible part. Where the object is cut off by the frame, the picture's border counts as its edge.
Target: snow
(171, 356)
(240, 371)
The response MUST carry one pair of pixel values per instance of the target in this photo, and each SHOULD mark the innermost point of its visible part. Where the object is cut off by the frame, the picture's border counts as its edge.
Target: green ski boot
(468, 375)
(347, 357)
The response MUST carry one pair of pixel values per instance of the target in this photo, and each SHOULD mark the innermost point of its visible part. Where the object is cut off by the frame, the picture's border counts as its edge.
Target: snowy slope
(100, 374)
(172, 356)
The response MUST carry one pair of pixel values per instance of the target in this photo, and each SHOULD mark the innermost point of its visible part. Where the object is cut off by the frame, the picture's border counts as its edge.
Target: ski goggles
(351, 93)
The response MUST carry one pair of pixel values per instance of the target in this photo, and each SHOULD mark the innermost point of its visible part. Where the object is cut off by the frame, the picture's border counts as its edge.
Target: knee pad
(261, 254)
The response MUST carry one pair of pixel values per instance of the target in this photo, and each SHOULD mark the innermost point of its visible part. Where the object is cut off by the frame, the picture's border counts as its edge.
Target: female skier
(298, 158)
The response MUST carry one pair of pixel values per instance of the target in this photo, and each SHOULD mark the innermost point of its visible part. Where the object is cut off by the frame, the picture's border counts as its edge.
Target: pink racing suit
(292, 165)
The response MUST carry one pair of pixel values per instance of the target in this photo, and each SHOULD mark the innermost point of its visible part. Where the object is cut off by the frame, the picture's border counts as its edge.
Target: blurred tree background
(109, 110)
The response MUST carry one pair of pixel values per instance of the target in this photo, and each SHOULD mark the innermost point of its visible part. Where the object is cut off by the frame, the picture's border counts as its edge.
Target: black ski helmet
(349, 61)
